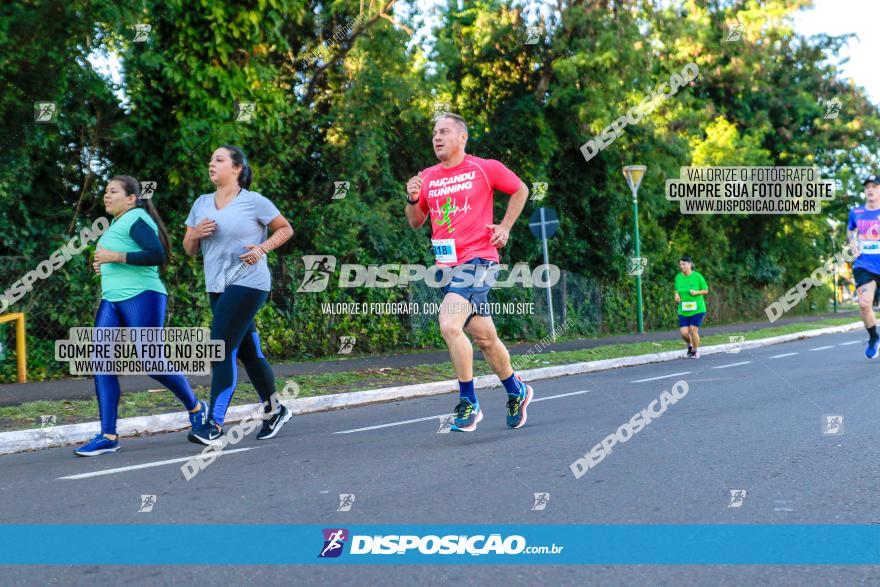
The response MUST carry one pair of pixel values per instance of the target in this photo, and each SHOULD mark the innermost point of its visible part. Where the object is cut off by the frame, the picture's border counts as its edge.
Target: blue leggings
(233, 322)
(147, 309)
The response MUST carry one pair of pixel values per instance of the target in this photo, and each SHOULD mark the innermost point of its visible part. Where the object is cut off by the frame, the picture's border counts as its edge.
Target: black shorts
(863, 276)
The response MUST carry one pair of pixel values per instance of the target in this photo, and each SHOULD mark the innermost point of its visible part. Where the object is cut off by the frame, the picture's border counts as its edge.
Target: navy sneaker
(517, 404)
(97, 446)
(197, 419)
(273, 425)
(467, 415)
(208, 433)
(871, 351)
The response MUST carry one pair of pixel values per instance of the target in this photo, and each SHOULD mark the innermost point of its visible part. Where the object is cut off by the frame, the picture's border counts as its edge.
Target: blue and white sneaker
(871, 351)
(517, 404)
(467, 416)
(199, 418)
(97, 446)
(208, 433)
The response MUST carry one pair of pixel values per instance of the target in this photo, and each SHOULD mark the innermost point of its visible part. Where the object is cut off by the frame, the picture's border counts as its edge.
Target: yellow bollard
(20, 343)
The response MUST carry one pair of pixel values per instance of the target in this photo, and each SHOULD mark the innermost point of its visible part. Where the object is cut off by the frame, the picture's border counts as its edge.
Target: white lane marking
(154, 464)
(401, 423)
(850, 342)
(783, 355)
(732, 365)
(660, 377)
(541, 399)
(413, 421)
(822, 348)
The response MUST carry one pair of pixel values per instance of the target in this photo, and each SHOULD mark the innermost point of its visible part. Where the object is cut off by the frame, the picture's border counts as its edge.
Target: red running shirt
(458, 201)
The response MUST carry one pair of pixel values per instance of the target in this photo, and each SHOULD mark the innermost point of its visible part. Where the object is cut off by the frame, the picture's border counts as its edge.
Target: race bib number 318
(444, 250)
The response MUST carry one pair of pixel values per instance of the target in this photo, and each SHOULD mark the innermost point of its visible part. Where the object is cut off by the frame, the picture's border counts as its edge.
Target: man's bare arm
(515, 206)
(414, 213)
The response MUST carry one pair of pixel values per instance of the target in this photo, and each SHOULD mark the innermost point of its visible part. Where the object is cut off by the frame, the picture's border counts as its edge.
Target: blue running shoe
(871, 351)
(97, 446)
(197, 419)
(467, 415)
(208, 433)
(517, 404)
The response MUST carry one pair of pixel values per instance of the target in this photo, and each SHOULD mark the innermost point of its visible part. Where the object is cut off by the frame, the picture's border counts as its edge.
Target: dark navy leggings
(146, 309)
(233, 322)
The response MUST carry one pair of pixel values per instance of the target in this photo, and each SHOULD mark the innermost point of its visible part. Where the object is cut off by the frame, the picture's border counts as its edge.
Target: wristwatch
(411, 202)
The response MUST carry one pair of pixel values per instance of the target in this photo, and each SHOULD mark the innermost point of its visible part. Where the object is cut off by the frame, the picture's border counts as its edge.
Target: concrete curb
(40, 438)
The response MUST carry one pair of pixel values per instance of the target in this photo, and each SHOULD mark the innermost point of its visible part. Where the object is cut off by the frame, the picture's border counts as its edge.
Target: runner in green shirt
(690, 289)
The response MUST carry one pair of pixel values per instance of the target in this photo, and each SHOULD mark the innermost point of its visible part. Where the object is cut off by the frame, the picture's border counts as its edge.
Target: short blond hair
(462, 123)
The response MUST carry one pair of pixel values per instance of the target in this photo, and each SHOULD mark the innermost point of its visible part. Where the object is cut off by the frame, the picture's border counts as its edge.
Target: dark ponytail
(238, 157)
(133, 187)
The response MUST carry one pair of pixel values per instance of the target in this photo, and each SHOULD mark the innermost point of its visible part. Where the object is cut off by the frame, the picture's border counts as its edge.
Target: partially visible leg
(866, 305)
(454, 311)
(147, 310)
(695, 336)
(519, 395)
(107, 386)
(484, 335)
(866, 293)
(233, 312)
(686, 335)
(482, 330)
(258, 368)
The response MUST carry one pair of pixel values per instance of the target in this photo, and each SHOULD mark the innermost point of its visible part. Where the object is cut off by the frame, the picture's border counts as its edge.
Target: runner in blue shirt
(863, 230)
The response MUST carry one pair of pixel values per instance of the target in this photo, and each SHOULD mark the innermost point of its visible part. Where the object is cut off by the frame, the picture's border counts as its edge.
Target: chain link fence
(293, 326)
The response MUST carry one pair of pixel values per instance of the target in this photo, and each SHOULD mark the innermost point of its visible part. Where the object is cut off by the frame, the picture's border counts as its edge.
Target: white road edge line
(822, 348)
(850, 342)
(783, 355)
(154, 464)
(413, 421)
(660, 377)
(732, 365)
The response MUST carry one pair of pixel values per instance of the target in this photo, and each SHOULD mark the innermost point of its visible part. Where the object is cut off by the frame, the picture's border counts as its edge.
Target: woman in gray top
(230, 228)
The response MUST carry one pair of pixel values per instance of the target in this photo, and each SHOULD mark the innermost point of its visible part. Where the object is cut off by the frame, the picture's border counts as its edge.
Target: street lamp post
(634, 175)
(834, 224)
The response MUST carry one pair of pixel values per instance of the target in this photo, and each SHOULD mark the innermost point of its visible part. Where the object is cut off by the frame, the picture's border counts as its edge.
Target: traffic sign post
(634, 175)
(544, 223)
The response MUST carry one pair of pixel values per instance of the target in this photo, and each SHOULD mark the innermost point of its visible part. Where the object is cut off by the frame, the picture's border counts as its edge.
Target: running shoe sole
(477, 419)
(196, 439)
(522, 407)
(278, 426)
(95, 453)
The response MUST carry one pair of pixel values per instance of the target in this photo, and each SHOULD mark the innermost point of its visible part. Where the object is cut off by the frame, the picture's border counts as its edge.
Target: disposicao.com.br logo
(320, 268)
(431, 544)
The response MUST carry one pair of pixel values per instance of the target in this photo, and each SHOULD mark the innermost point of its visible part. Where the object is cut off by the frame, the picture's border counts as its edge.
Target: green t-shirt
(120, 281)
(690, 305)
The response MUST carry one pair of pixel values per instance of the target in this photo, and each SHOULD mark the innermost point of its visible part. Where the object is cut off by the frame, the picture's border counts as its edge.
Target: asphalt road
(753, 421)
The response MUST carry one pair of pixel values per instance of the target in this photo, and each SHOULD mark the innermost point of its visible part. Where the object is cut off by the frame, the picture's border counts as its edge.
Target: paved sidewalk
(12, 394)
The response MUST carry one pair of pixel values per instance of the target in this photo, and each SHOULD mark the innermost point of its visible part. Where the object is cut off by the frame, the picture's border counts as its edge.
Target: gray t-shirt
(242, 222)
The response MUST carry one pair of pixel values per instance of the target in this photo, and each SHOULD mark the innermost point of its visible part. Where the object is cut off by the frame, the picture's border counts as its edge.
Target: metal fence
(299, 328)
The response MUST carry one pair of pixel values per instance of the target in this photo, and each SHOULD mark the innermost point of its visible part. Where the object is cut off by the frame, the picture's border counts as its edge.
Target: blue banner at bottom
(648, 544)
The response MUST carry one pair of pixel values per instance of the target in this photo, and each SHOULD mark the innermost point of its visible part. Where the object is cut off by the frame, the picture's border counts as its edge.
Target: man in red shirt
(457, 195)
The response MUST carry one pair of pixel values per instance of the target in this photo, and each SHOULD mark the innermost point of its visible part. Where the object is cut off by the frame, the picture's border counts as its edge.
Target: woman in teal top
(690, 292)
(132, 295)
